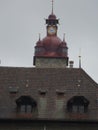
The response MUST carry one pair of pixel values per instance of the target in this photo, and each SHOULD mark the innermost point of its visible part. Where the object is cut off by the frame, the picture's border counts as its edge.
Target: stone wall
(51, 62)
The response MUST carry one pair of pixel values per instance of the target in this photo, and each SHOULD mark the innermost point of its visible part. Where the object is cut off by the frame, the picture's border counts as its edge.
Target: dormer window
(77, 104)
(25, 104)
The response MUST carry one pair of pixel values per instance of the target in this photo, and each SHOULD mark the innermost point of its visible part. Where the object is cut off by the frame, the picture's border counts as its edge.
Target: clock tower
(51, 51)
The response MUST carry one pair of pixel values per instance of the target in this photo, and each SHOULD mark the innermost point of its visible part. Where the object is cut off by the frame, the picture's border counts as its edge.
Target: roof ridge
(89, 77)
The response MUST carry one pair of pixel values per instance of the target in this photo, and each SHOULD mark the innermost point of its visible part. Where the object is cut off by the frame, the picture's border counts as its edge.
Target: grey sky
(22, 20)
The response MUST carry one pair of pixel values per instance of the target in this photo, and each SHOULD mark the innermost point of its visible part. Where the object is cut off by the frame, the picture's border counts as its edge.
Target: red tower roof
(51, 46)
(52, 16)
(39, 43)
(51, 43)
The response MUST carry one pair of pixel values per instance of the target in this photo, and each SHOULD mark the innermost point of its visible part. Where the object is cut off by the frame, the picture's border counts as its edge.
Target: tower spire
(52, 6)
(80, 59)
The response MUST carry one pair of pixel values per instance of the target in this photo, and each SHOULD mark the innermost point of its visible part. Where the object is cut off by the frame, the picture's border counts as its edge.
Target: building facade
(50, 96)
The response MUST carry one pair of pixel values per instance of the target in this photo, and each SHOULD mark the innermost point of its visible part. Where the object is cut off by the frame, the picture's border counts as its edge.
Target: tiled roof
(50, 87)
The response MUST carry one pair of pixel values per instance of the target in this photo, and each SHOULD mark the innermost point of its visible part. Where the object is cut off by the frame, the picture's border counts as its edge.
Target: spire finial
(64, 37)
(39, 36)
(52, 6)
(80, 58)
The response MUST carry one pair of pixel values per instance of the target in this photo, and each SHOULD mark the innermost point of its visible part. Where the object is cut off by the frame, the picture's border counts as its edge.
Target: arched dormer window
(78, 104)
(26, 104)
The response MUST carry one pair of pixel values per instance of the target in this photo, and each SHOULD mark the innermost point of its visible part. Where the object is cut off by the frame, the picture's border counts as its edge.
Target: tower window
(77, 104)
(37, 49)
(64, 50)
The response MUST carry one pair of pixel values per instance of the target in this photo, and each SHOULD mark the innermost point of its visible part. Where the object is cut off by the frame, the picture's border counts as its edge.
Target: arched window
(25, 104)
(78, 104)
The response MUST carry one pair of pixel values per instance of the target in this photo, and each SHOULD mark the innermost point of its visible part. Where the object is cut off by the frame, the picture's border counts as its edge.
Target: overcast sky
(22, 20)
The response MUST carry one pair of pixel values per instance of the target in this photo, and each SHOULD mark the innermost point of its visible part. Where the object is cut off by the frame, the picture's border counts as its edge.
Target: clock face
(51, 30)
